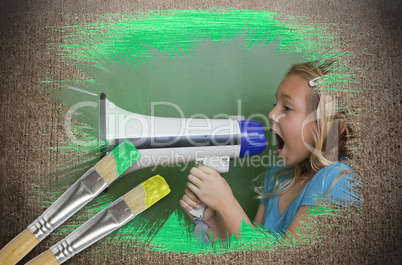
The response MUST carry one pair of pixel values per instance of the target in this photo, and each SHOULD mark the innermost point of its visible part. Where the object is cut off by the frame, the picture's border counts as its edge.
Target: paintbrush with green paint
(108, 220)
(86, 188)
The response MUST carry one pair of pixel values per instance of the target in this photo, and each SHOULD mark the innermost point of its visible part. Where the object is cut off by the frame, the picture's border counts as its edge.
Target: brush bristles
(107, 168)
(135, 200)
(117, 161)
(146, 194)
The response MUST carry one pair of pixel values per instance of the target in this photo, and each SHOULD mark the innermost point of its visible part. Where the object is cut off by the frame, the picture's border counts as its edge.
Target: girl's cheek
(308, 132)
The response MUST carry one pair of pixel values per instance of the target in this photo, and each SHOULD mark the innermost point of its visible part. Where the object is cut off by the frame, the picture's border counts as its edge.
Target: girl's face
(287, 118)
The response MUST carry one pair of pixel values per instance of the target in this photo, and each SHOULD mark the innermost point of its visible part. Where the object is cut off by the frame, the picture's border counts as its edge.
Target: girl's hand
(206, 184)
(190, 201)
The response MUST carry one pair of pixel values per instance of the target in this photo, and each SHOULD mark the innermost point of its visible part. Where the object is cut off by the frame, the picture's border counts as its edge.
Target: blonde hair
(329, 145)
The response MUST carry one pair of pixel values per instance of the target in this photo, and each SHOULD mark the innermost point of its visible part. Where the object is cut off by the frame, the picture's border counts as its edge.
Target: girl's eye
(287, 108)
(274, 105)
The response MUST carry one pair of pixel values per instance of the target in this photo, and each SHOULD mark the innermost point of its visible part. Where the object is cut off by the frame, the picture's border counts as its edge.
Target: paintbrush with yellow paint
(86, 188)
(108, 220)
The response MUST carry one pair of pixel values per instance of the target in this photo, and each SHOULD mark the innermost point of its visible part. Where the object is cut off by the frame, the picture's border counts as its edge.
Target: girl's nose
(272, 116)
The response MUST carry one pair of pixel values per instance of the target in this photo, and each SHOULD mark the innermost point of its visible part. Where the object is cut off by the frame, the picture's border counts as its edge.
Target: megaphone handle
(198, 212)
(219, 163)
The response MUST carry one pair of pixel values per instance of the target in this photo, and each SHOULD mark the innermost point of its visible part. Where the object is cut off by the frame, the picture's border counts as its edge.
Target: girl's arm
(259, 217)
(233, 215)
(238, 215)
(217, 228)
(295, 227)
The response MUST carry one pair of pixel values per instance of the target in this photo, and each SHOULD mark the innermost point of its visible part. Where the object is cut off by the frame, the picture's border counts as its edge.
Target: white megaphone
(162, 141)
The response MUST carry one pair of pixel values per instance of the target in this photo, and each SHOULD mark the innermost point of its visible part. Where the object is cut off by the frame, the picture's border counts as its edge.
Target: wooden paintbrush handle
(17, 248)
(46, 258)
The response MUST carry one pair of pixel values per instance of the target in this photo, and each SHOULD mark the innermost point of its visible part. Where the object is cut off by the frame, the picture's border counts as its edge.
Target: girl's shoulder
(332, 171)
(336, 180)
(324, 179)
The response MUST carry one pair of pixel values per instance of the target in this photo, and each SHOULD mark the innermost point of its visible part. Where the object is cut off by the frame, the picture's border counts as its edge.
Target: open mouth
(280, 142)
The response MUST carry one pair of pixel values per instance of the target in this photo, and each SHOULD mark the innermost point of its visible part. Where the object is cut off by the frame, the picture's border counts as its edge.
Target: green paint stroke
(177, 32)
(202, 61)
(125, 154)
(175, 228)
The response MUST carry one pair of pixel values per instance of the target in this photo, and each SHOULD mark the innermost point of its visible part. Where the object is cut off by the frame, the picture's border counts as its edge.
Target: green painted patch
(125, 154)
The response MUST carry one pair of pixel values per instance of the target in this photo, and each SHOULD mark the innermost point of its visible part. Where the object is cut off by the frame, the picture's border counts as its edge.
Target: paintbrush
(93, 182)
(108, 220)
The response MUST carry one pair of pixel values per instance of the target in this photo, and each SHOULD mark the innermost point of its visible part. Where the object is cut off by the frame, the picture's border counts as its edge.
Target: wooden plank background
(371, 236)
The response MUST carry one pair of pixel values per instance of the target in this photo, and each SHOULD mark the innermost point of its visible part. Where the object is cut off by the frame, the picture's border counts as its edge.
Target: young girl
(311, 134)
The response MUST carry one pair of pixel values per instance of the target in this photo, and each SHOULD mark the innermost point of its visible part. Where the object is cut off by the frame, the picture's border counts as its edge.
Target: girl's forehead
(293, 87)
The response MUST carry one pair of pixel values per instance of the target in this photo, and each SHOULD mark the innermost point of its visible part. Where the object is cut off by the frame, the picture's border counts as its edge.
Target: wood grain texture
(17, 248)
(46, 258)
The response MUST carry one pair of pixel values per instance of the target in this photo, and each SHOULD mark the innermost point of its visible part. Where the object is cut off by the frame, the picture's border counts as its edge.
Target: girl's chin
(286, 160)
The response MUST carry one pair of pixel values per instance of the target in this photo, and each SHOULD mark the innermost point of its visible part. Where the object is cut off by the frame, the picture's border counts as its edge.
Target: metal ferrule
(80, 193)
(109, 219)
